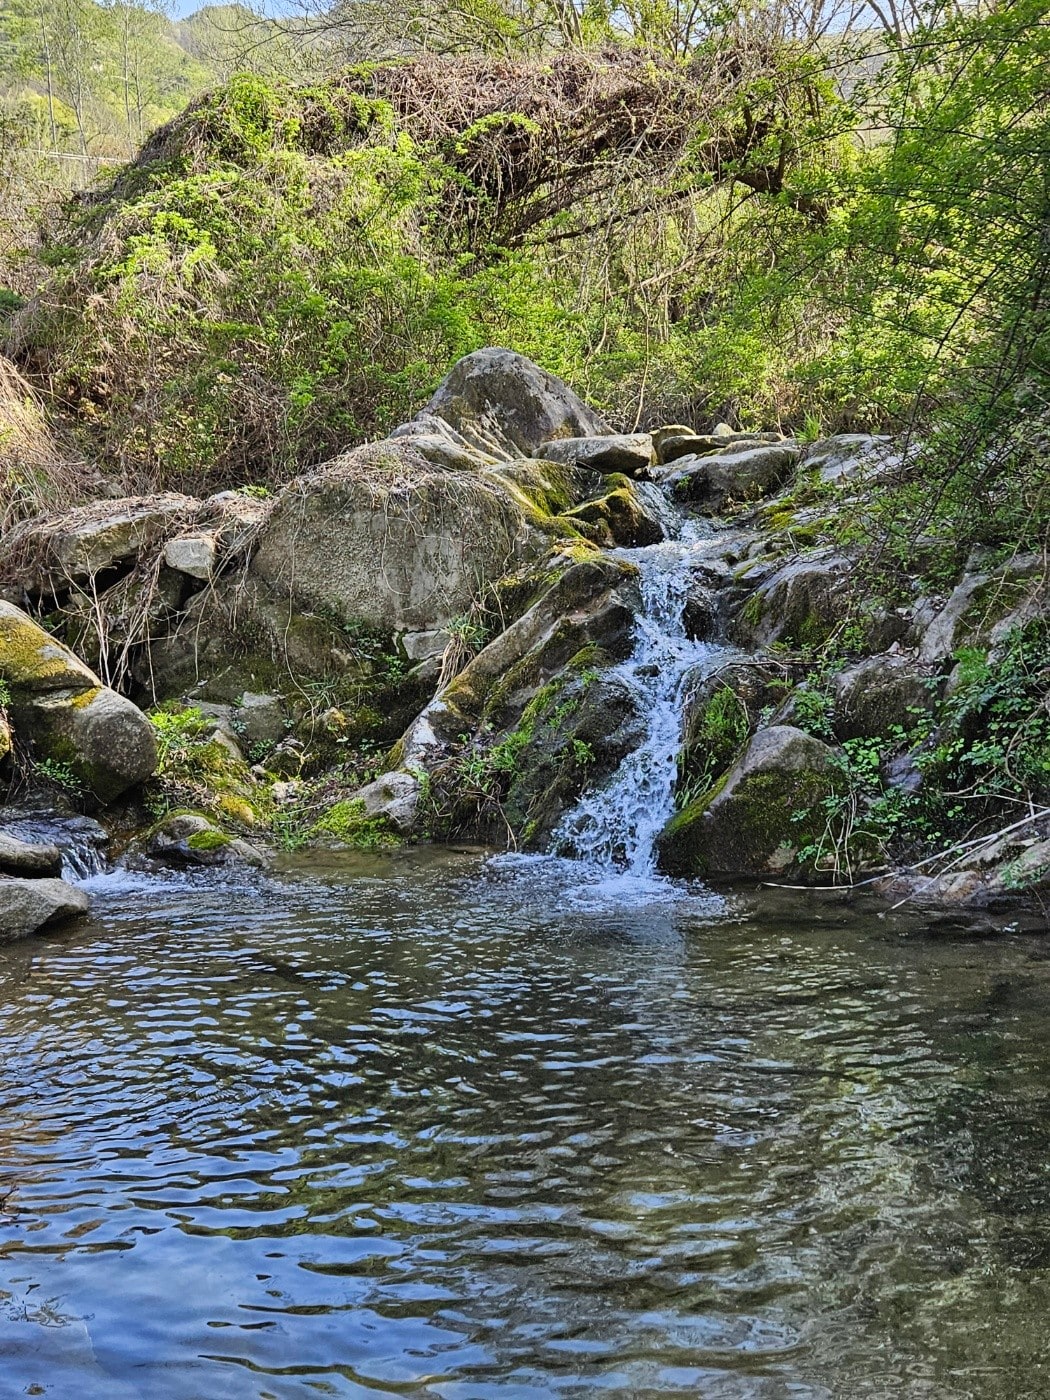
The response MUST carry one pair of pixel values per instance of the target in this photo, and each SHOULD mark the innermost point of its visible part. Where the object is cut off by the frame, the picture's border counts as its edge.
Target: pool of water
(427, 1126)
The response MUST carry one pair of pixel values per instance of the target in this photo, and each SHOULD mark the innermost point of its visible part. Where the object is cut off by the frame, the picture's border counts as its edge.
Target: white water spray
(617, 826)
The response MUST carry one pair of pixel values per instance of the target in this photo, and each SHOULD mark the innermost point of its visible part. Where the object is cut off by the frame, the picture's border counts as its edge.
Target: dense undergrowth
(815, 237)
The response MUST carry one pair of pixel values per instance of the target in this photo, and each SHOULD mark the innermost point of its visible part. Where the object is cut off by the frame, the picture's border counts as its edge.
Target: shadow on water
(434, 1125)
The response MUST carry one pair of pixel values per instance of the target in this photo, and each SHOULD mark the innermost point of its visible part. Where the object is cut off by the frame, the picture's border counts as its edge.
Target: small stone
(259, 719)
(192, 555)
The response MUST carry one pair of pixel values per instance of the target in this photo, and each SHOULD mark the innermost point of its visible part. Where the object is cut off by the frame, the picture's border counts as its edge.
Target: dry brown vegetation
(37, 471)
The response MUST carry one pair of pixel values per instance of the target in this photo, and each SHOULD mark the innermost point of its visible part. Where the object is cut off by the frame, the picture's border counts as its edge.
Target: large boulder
(878, 695)
(503, 404)
(743, 473)
(382, 538)
(747, 825)
(29, 905)
(800, 603)
(70, 717)
(629, 453)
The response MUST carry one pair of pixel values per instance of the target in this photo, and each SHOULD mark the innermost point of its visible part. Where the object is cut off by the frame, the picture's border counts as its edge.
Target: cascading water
(616, 827)
(80, 840)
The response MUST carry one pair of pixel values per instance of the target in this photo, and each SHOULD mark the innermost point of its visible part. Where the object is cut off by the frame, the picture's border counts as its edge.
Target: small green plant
(812, 710)
(812, 429)
(178, 730)
(61, 775)
(720, 733)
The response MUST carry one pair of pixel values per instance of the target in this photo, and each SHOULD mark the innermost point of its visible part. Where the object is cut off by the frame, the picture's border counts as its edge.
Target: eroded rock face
(28, 905)
(745, 825)
(982, 607)
(503, 404)
(536, 692)
(62, 707)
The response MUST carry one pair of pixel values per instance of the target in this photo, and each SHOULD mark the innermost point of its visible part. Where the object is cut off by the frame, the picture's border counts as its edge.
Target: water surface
(422, 1126)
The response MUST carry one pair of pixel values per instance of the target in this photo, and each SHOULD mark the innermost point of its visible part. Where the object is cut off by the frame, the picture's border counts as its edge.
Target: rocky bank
(425, 639)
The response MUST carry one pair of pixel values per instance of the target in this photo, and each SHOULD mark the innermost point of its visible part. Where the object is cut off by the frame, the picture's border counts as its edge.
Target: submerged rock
(27, 905)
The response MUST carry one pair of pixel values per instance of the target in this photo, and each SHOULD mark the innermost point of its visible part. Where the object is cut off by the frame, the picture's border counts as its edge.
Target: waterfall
(616, 827)
(80, 840)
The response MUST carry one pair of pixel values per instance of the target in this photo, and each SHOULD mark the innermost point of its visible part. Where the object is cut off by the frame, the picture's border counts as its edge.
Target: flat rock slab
(630, 453)
(18, 857)
(74, 547)
(29, 905)
(672, 446)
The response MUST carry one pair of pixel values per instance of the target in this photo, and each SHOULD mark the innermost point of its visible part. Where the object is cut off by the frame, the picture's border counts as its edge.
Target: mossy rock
(748, 824)
(347, 823)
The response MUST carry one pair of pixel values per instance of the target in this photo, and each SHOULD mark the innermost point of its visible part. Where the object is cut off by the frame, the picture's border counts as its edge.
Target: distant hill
(89, 81)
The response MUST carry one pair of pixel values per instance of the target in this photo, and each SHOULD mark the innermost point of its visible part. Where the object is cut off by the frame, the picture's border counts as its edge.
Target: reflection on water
(422, 1126)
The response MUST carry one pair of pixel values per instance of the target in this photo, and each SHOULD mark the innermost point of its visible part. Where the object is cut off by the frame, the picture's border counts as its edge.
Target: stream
(424, 1124)
(432, 1123)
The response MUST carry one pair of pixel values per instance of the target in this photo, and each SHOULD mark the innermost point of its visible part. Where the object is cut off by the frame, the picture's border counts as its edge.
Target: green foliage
(812, 710)
(60, 775)
(995, 741)
(981, 757)
(179, 731)
(197, 771)
(717, 737)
